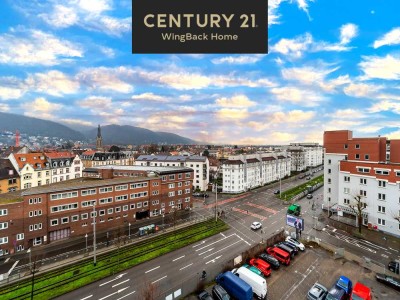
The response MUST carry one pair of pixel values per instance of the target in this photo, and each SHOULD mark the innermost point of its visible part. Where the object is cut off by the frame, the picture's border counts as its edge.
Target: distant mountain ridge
(34, 126)
(131, 135)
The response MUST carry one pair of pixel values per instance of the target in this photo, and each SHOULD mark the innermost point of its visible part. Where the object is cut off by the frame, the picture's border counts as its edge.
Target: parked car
(287, 249)
(235, 286)
(263, 266)
(204, 295)
(394, 266)
(204, 195)
(345, 284)
(280, 255)
(257, 283)
(291, 246)
(196, 194)
(336, 293)
(273, 262)
(256, 225)
(294, 209)
(254, 269)
(388, 280)
(309, 196)
(317, 292)
(219, 293)
(360, 292)
(277, 192)
(308, 177)
(296, 242)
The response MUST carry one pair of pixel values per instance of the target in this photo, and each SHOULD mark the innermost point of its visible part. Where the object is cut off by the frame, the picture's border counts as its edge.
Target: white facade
(243, 172)
(331, 175)
(313, 153)
(199, 164)
(66, 168)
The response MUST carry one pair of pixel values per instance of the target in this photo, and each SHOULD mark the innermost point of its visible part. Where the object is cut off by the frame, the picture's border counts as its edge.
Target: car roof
(318, 289)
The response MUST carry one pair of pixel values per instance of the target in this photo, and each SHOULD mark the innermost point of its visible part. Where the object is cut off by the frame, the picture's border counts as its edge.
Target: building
(9, 178)
(92, 158)
(99, 140)
(298, 155)
(114, 195)
(368, 168)
(313, 153)
(64, 166)
(243, 172)
(199, 164)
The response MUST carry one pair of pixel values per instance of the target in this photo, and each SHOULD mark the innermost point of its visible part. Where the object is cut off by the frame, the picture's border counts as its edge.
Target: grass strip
(289, 194)
(67, 280)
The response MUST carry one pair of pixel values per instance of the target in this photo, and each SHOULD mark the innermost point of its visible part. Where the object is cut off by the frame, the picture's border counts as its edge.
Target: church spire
(99, 139)
(99, 132)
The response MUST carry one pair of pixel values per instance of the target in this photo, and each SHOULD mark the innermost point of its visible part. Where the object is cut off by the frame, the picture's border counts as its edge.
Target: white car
(296, 243)
(256, 225)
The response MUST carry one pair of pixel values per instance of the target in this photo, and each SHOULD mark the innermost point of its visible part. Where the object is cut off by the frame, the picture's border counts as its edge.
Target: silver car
(295, 243)
(317, 292)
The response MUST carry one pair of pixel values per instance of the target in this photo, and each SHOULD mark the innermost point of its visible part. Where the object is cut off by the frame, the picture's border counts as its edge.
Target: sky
(331, 65)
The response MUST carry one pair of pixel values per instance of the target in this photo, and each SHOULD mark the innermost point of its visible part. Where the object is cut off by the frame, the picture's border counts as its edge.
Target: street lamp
(216, 202)
(129, 232)
(163, 222)
(86, 236)
(30, 258)
(94, 234)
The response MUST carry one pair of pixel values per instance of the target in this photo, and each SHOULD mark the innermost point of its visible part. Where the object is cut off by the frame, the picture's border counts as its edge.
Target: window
(171, 194)
(171, 203)
(155, 183)
(132, 206)
(139, 205)
(363, 181)
(357, 146)
(363, 193)
(125, 207)
(363, 170)
(381, 209)
(187, 199)
(171, 177)
(4, 240)
(138, 195)
(164, 178)
(329, 161)
(381, 196)
(121, 198)
(106, 200)
(74, 218)
(138, 185)
(346, 190)
(357, 156)
(64, 207)
(155, 193)
(12, 180)
(329, 171)
(180, 176)
(381, 183)
(346, 178)
(381, 222)
(187, 191)
(145, 203)
(88, 192)
(346, 201)
(187, 183)
(398, 173)
(366, 156)
(187, 175)
(155, 202)
(3, 225)
(3, 212)
(346, 146)
(20, 236)
(180, 192)
(88, 203)
(84, 216)
(110, 211)
(64, 220)
(121, 187)
(179, 184)
(118, 209)
(63, 195)
(381, 172)
(105, 189)
(102, 212)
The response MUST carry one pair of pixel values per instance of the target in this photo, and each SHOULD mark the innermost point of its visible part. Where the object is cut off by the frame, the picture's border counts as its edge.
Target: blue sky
(332, 64)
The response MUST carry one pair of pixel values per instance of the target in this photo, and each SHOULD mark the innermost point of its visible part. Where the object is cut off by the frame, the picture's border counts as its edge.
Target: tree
(357, 206)
(115, 148)
(149, 291)
(206, 153)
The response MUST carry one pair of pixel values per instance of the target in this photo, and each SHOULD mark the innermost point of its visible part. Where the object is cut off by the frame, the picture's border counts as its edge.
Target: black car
(394, 266)
(286, 248)
(219, 293)
(388, 280)
(204, 195)
(274, 263)
(204, 295)
(293, 247)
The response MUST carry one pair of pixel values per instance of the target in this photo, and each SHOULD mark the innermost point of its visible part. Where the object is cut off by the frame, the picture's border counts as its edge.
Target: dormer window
(54, 164)
(67, 163)
(61, 163)
(42, 157)
(23, 159)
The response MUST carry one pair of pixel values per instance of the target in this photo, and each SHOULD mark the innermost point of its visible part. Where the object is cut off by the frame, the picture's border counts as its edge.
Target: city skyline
(330, 66)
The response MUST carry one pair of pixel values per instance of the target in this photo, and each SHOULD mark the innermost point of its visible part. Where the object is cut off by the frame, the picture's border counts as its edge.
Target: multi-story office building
(199, 164)
(114, 196)
(367, 169)
(243, 172)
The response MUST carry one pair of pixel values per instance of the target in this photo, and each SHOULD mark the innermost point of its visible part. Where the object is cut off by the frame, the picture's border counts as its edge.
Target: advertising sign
(295, 222)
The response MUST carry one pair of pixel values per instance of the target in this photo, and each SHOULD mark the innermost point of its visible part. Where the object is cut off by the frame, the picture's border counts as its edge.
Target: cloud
(293, 116)
(53, 83)
(385, 106)
(388, 39)
(293, 47)
(348, 113)
(149, 97)
(347, 33)
(61, 16)
(41, 108)
(95, 102)
(387, 67)
(35, 47)
(394, 135)
(273, 15)
(238, 101)
(103, 78)
(239, 60)
(361, 90)
(11, 88)
(232, 114)
(303, 5)
(4, 107)
(297, 95)
(77, 122)
(282, 137)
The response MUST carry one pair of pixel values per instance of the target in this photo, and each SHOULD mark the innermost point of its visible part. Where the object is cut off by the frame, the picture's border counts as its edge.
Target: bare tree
(357, 206)
(149, 291)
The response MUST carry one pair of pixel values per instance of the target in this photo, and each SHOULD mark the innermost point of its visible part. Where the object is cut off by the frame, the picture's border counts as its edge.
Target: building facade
(199, 164)
(91, 158)
(367, 169)
(113, 196)
(244, 172)
(298, 156)
(64, 166)
(313, 153)
(9, 178)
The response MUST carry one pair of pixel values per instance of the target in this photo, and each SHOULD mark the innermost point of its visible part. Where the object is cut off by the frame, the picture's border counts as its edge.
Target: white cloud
(35, 47)
(77, 122)
(385, 106)
(390, 38)
(239, 60)
(61, 16)
(282, 137)
(303, 5)
(293, 116)
(387, 67)
(4, 107)
(273, 15)
(96, 102)
(149, 97)
(293, 47)
(232, 114)
(11, 88)
(308, 75)
(108, 52)
(348, 113)
(238, 101)
(103, 78)
(41, 108)
(361, 90)
(347, 33)
(298, 96)
(394, 135)
(53, 83)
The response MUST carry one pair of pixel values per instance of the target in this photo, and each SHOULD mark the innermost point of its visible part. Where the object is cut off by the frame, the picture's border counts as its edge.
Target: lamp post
(129, 231)
(30, 258)
(163, 222)
(94, 234)
(86, 236)
(216, 202)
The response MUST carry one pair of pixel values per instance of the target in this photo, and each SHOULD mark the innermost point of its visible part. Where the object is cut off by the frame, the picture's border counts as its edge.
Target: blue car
(345, 284)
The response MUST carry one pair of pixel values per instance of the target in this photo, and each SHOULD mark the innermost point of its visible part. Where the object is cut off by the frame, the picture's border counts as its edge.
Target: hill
(34, 126)
(131, 135)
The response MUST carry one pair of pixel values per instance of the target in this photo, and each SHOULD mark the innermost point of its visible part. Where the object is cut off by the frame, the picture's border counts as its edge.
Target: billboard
(295, 222)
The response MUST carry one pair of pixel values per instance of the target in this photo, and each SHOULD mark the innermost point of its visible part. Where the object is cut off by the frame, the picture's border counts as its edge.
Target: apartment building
(9, 178)
(298, 156)
(199, 164)
(243, 172)
(363, 167)
(313, 153)
(92, 158)
(64, 166)
(113, 196)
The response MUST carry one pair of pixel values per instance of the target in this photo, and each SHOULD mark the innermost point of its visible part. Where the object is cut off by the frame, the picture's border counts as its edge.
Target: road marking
(222, 234)
(334, 230)
(117, 292)
(273, 222)
(199, 244)
(178, 258)
(152, 269)
(213, 260)
(87, 297)
(262, 207)
(127, 295)
(116, 278)
(262, 218)
(13, 266)
(120, 283)
(185, 267)
(221, 249)
(384, 255)
(159, 279)
(393, 249)
(206, 251)
(224, 238)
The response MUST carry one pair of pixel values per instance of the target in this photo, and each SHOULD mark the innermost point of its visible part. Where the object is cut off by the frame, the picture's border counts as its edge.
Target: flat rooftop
(158, 169)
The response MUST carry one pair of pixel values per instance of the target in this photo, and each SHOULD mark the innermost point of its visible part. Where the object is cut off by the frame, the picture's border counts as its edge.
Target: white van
(258, 283)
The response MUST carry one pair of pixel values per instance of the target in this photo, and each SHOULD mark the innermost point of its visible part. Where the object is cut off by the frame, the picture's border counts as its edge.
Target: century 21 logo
(197, 20)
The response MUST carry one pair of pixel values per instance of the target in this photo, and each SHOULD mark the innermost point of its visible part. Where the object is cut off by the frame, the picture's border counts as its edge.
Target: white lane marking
(222, 234)
(213, 260)
(393, 249)
(116, 278)
(117, 292)
(201, 243)
(178, 258)
(185, 267)
(159, 279)
(349, 240)
(120, 283)
(334, 230)
(221, 249)
(384, 255)
(152, 269)
(273, 222)
(127, 295)
(224, 238)
(373, 245)
(206, 251)
(87, 297)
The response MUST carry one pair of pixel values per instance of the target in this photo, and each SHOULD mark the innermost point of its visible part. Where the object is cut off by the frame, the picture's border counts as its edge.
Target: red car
(279, 254)
(360, 292)
(263, 266)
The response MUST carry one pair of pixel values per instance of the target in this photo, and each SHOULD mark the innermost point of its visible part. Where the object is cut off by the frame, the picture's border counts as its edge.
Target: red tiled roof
(30, 158)
(233, 162)
(89, 152)
(268, 158)
(64, 154)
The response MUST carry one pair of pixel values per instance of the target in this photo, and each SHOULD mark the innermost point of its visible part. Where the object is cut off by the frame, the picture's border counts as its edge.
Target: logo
(206, 26)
